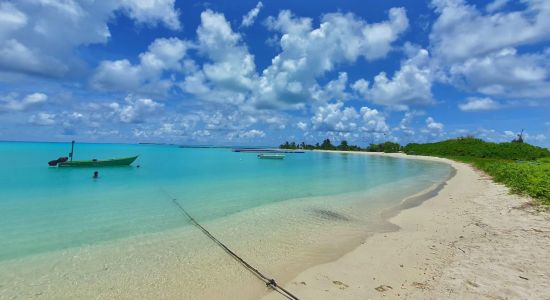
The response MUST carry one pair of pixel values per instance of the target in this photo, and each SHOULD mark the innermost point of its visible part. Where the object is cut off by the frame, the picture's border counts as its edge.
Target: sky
(260, 73)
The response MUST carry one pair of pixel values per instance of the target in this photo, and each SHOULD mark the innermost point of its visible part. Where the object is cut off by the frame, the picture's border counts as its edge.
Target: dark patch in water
(330, 215)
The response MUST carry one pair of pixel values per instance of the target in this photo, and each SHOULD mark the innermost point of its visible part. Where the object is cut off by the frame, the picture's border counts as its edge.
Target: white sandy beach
(472, 240)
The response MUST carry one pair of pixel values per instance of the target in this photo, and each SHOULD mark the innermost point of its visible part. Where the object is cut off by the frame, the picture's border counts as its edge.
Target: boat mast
(72, 150)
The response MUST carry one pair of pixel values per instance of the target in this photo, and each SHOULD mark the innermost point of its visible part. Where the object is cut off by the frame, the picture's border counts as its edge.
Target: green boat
(69, 162)
(126, 161)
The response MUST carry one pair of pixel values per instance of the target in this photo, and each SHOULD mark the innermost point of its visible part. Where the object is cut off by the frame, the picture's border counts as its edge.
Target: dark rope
(269, 282)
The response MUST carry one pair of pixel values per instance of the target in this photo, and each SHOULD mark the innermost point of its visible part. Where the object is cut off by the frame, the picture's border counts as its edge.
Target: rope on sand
(269, 282)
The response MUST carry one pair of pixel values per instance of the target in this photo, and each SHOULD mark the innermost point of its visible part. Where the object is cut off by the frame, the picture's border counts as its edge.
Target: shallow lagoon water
(283, 215)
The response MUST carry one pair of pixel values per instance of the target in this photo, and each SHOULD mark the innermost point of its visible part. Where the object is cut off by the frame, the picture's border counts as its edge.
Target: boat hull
(126, 161)
(270, 156)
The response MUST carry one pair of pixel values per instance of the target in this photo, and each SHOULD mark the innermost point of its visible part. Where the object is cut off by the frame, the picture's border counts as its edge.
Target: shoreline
(330, 232)
(470, 240)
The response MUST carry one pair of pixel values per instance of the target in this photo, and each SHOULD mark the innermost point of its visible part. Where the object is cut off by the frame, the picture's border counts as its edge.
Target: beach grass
(524, 168)
(522, 177)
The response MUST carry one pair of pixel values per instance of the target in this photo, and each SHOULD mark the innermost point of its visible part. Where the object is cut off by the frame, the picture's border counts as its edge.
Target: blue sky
(260, 73)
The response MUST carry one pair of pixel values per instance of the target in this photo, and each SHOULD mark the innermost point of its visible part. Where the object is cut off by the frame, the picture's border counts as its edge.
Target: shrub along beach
(524, 168)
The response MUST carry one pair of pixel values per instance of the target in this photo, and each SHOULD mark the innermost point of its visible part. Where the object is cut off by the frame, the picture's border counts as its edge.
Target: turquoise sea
(48, 210)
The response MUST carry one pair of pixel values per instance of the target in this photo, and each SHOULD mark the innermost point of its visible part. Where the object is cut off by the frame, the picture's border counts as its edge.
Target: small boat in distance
(271, 156)
(66, 162)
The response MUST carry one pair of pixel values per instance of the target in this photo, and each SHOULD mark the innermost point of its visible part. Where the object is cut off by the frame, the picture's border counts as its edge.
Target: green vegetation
(473, 147)
(524, 168)
(522, 177)
(387, 147)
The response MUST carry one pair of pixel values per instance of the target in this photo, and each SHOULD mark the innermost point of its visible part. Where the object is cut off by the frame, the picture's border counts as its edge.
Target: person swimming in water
(96, 175)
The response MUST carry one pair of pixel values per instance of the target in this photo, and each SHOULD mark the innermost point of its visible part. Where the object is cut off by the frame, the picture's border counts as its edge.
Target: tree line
(388, 147)
(473, 146)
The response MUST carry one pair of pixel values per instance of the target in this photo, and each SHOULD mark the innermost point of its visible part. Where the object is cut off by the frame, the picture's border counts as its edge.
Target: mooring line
(269, 282)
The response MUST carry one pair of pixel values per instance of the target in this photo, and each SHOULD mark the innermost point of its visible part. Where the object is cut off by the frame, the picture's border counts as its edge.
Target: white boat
(271, 156)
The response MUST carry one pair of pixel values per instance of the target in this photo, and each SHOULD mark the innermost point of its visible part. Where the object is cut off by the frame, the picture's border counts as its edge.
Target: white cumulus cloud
(478, 104)
(308, 52)
(163, 55)
(153, 12)
(373, 120)
(43, 119)
(337, 118)
(462, 31)
(39, 37)
(250, 17)
(431, 124)
(496, 5)
(250, 134)
(504, 73)
(229, 72)
(11, 103)
(410, 85)
(302, 125)
(135, 110)
(477, 51)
